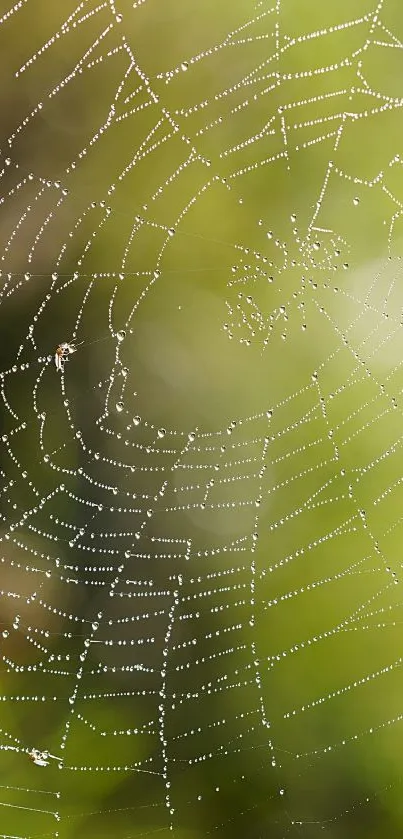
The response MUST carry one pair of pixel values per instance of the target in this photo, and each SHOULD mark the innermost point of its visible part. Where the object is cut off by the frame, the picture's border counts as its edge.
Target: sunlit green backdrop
(222, 182)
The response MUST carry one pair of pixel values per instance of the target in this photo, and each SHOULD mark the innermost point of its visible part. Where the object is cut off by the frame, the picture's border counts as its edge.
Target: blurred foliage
(247, 186)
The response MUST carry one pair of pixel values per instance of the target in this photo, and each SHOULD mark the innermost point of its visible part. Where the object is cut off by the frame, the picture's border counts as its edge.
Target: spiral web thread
(172, 596)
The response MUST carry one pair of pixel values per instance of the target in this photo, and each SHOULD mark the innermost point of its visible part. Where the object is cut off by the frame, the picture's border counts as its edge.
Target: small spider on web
(41, 758)
(63, 352)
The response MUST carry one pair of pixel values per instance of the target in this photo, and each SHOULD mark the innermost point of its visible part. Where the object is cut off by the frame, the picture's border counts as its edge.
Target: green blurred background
(209, 198)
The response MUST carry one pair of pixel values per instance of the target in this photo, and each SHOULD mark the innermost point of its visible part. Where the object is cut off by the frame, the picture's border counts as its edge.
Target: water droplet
(356, 201)
(121, 335)
(184, 66)
(171, 231)
(119, 407)
(136, 420)
(161, 432)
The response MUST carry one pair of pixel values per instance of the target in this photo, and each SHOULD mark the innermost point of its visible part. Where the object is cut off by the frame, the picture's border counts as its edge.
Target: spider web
(200, 527)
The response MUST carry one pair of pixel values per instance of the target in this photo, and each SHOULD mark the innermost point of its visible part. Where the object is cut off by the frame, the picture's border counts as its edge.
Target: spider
(41, 758)
(62, 354)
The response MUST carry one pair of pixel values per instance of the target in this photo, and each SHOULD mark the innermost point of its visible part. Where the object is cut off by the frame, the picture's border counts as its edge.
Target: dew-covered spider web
(201, 511)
